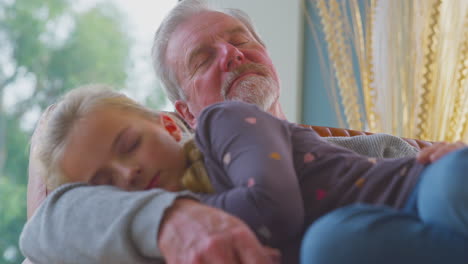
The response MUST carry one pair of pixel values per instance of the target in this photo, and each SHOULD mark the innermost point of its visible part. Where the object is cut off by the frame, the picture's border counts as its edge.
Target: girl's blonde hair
(50, 136)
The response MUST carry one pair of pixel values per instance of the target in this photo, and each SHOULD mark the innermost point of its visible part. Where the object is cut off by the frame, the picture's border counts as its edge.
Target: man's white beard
(259, 90)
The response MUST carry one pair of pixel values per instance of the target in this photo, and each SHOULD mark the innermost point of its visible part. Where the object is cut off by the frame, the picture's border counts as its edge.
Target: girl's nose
(127, 174)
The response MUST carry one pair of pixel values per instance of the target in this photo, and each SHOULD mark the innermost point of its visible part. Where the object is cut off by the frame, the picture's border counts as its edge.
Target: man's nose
(231, 57)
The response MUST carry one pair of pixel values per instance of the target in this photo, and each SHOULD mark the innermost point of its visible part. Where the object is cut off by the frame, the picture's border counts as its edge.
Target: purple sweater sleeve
(248, 154)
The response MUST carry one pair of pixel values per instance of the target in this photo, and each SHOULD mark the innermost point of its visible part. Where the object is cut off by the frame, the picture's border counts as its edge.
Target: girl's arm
(248, 154)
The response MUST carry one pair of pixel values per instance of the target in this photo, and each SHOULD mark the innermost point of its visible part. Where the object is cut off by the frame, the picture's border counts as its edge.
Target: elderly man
(208, 57)
(203, 57)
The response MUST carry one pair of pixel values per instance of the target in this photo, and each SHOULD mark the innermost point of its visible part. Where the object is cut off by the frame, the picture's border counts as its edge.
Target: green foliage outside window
(55, 48)
(12, 218)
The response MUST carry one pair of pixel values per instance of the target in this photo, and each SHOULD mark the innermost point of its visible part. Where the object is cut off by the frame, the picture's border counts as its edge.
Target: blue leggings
(432, 229)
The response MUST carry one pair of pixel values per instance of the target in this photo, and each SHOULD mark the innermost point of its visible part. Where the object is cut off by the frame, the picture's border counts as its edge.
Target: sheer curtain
(398, 66)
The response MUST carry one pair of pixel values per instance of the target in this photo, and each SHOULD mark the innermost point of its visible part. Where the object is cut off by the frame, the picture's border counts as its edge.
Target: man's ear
(170, 125)
(184, 111)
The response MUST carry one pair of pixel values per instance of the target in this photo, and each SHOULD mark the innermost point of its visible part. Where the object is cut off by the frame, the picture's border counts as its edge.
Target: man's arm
(78, 223)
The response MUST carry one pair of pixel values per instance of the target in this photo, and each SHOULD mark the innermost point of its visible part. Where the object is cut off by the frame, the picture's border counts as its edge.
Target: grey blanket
(376, 145)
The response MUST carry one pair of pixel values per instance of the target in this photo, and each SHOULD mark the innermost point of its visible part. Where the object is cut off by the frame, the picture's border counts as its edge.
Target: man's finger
(424, 156)
(220, 251)
(248, 250)
(439, 153)
(273, 254)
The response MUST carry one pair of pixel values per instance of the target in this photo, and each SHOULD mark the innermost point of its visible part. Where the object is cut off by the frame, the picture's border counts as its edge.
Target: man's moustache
(248, 67)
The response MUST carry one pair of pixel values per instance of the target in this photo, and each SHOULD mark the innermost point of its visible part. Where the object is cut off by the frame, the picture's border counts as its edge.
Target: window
(50, 47)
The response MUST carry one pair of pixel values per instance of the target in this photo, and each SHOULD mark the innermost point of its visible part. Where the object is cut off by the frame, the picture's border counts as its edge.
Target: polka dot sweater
(279, 177)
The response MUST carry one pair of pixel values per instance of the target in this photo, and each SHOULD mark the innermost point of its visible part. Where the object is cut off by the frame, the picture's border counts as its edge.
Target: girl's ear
(171, 126)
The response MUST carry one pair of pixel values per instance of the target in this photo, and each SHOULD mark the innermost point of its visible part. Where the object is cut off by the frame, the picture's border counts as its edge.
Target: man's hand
(193, 233)
(437, 151)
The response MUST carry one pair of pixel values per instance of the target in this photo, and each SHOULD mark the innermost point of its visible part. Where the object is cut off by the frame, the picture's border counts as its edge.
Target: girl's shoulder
(232, 113)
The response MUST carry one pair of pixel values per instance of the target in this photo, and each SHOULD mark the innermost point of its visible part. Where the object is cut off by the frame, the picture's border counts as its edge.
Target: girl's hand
(437, 151)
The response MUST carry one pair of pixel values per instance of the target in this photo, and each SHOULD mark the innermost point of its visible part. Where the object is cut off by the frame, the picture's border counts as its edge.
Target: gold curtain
(412, 59)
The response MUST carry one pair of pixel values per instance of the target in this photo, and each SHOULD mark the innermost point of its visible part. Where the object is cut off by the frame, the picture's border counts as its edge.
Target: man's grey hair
(183, 11)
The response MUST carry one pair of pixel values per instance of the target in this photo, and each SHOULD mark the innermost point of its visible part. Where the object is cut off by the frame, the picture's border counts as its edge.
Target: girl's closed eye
(133, 144)
(130, 142)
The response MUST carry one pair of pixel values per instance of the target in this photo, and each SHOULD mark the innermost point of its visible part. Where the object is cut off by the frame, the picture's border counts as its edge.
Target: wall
(280, 24)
